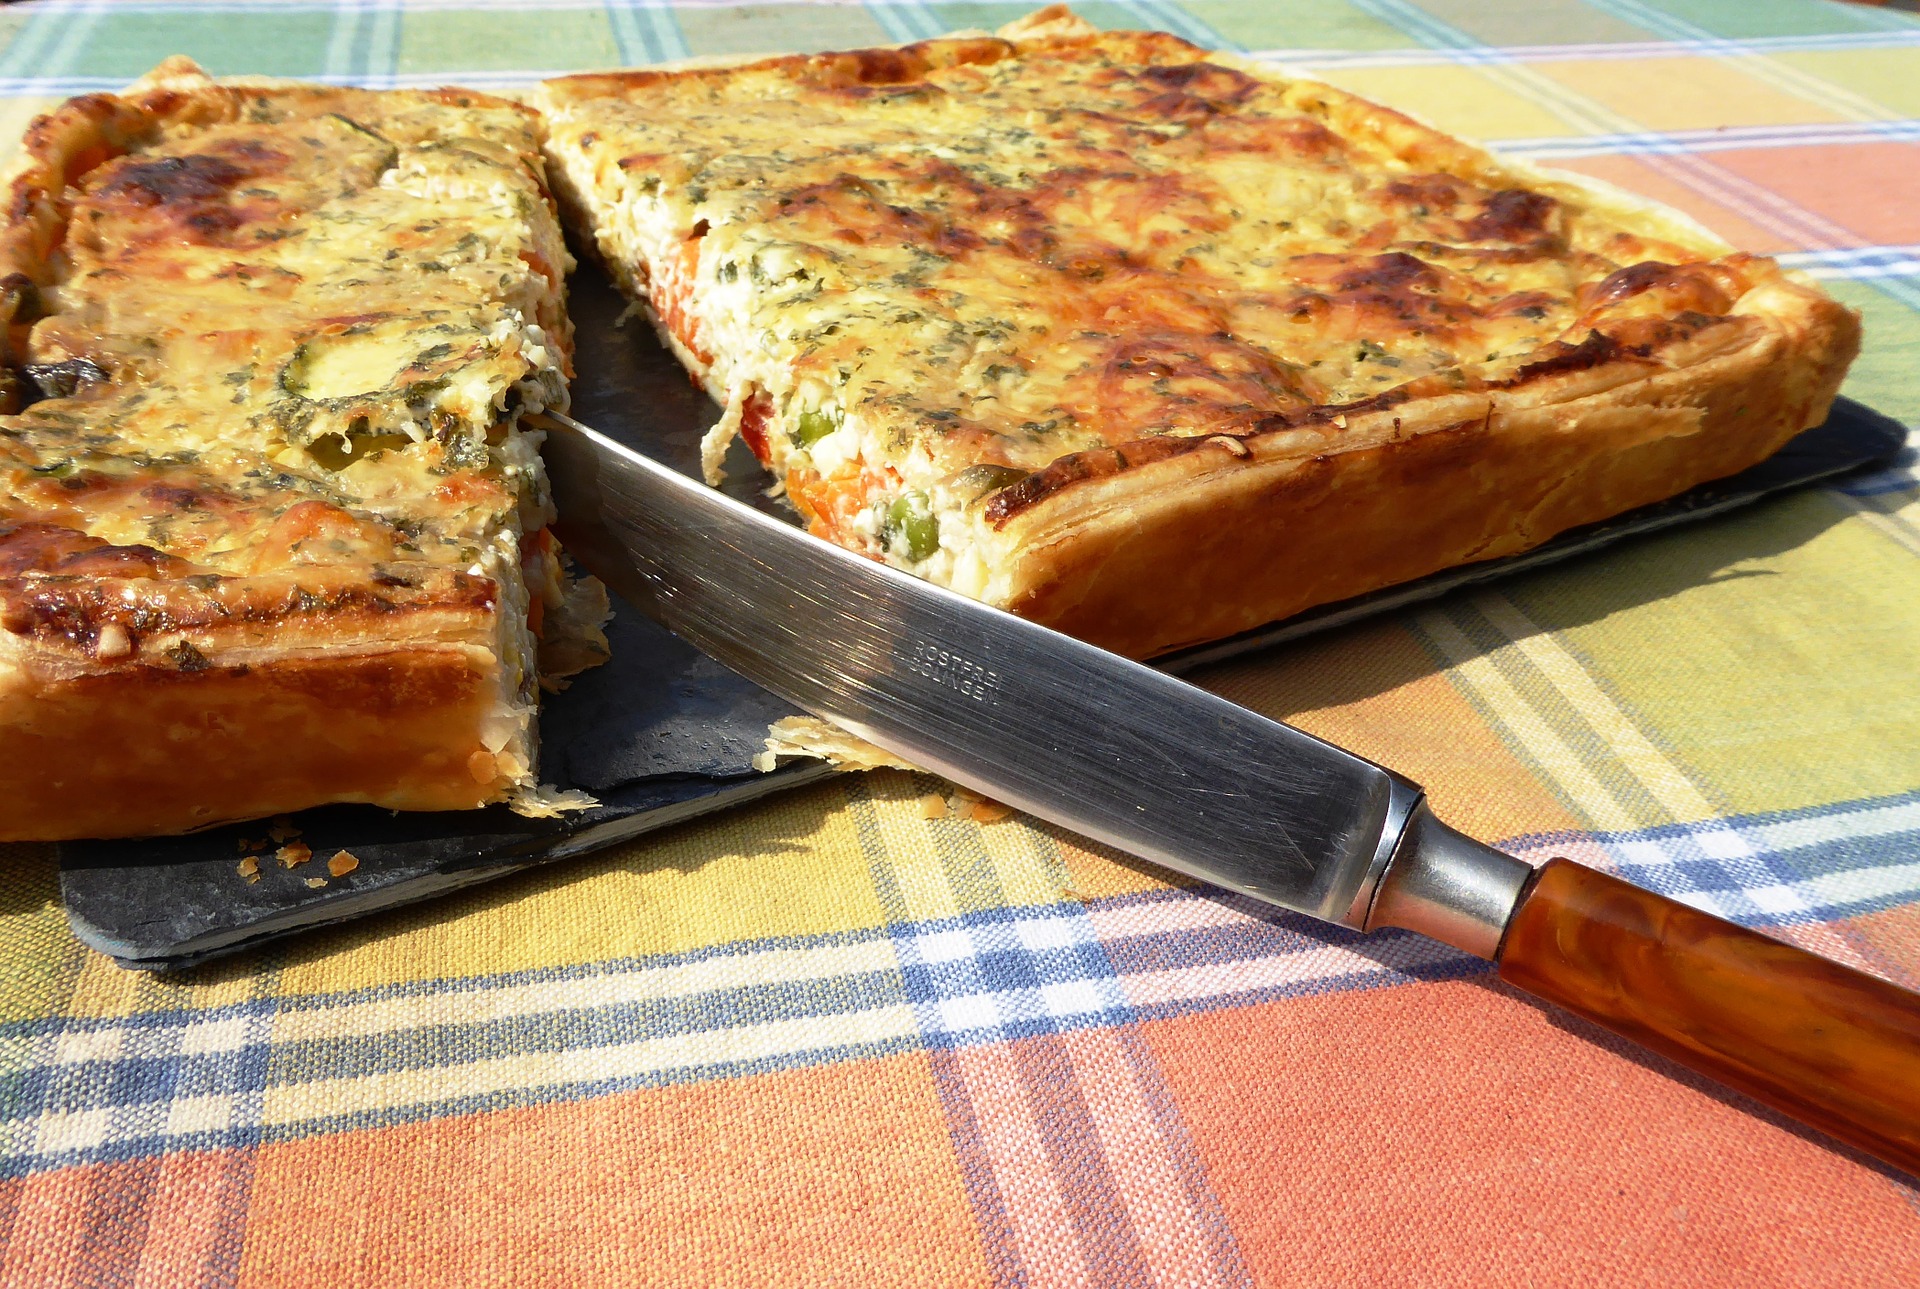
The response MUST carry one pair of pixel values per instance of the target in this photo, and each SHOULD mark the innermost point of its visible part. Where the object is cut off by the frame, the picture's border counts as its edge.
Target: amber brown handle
(1832, 1047)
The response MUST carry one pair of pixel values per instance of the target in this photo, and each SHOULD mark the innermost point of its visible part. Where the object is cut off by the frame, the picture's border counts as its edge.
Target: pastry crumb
(282, 829)
(961, 803)
(987, 812)
(316, 882)
(342, 863)
(971, 805)
(293, 854)
(250, 868)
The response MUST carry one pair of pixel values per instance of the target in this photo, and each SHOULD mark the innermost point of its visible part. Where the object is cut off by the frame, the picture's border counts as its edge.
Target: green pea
(911, 530)
(811, 428)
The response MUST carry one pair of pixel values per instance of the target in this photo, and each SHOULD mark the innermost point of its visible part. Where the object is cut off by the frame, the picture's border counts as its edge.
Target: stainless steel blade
(1106, 747)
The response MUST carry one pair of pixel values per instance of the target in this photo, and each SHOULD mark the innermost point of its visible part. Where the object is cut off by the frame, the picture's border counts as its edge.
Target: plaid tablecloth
(828, 1040)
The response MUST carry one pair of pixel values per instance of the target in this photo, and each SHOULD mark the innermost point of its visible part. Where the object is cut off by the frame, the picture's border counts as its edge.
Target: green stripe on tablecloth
(766, 29)
(226, 44)
(1524, 22)
(1334, 25)
(434, 40)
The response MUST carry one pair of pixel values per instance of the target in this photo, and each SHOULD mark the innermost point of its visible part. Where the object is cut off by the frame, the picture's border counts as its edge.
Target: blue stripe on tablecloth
(1904, 36)
(647, 33)
(1008, 973)
(82, 1089)
(48, 38)
(1718, 139)
(1431, 31)
(906, 22)
(1777, 869)
(1857, 262)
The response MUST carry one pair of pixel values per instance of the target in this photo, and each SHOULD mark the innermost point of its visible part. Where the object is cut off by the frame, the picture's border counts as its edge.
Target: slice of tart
(1155, 345)
(270, 536)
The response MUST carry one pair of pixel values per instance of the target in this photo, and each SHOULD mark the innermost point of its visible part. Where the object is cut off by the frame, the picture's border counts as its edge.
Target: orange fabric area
(808, 1176)
(1409, 1136)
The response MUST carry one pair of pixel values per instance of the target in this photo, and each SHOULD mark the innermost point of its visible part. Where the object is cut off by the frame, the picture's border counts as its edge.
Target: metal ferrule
(1448, 886)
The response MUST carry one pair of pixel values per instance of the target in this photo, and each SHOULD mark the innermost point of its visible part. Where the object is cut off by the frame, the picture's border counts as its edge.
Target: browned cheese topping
(268, 348)
(987, 260)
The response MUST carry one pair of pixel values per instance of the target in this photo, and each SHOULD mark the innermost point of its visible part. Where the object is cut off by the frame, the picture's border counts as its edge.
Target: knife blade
(1127, 755)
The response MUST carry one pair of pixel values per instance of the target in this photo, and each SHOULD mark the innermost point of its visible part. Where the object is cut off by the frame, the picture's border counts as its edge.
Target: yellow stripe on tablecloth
(35, 944)
(1466, 101)
(1626, 742)
(1563, 765)
(1026, 862)
(788, 866)
(940, 863)
(891, 809)
(1689, 93)
(1373, 688)
(1763, 648)
(1888, 78)
(104, 989)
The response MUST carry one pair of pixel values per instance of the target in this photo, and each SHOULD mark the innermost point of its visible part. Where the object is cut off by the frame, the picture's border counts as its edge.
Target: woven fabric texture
(825, 1039)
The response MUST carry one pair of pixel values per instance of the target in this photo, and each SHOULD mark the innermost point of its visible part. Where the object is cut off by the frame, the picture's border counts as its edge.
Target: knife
(1151, 765)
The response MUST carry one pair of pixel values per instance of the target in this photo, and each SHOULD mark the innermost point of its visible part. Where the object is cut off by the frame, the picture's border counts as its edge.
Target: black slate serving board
(661, 733)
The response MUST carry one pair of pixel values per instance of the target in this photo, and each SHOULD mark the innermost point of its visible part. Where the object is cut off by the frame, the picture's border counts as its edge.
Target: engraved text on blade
(947, 668)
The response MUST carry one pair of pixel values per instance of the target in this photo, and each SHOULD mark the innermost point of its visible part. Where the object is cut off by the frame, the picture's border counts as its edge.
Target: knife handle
(1832, 1047)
